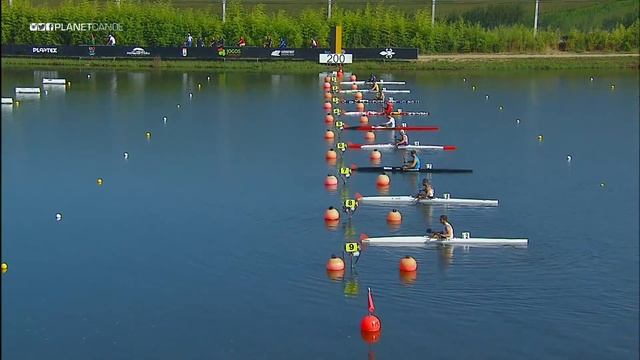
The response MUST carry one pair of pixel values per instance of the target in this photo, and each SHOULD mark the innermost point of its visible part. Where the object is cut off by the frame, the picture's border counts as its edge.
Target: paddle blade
(358, 196)
(363, 236)
(449, 147)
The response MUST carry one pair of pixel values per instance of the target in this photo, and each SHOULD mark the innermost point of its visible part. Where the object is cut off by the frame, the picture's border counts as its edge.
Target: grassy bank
(467, 63)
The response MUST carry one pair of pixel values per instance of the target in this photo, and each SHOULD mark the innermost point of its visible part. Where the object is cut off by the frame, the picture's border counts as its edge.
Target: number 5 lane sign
(336, 58)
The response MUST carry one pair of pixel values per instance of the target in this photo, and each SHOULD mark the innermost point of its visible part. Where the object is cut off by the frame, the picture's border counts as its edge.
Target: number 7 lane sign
(336, 58)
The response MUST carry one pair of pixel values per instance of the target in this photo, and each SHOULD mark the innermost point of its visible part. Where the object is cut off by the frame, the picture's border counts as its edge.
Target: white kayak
(419, 240)
(401, 147)
(54, 81)
(410, 200)
(20, 90)
(381, 82)
(7, 101)
(371, 91)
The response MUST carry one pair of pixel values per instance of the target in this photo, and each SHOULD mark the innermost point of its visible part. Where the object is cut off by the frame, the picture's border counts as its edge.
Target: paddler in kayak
(391, 122)
(389, 108)
(404, 139)
(414, 163)
(447, 233)
(427, 191)
(373, 78)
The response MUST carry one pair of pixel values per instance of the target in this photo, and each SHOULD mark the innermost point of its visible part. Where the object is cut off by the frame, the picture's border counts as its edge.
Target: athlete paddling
(389, 108)
(427, 191)
(414, 163)
(447, 233)
(391, 122)
(404, 139)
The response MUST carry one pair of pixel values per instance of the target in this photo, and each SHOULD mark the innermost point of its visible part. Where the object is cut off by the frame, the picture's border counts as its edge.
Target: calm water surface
(208, 241)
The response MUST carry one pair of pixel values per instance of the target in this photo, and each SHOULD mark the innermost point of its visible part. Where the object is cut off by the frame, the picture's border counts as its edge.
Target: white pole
(535, 20)
(329, 9)
(433, 12)
(224, 10)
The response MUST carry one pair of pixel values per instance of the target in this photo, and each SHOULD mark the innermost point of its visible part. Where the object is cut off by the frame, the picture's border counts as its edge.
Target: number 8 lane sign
(336, 58)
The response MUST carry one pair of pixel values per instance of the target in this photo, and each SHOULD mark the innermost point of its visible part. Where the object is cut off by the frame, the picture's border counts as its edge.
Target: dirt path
(463, 57)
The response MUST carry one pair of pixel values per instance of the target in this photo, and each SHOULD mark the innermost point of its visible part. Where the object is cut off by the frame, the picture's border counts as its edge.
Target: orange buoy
(375, 155)
(394, 216)
(328, 119)
(352, 78)
(329, 135)
(354, 87)
(327, 79)
(370, 337)
(383, 180)
(327, 85)
(370, 323)
(335, 263)
(369, 136)
(331, 154)
(328, 95)
(358, 96)
(364, 119)
(331, 214)
(330, 180)
(360, 106)
(327, 105)
(408, 263)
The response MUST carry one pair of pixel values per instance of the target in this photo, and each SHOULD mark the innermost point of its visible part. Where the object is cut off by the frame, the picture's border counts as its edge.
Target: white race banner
(336, 58)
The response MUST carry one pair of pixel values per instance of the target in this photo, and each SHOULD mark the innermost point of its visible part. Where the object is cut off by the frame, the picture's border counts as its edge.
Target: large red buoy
(330, 180)
(408, 263)
(369, 136)
(394, 216)
(331, 155)
(329, 135)
(358, 96)
(353, 77)
(383, 180)
(331, 214)
(335, 263)
(327, 105)
(364, 119)
(375, 155)
(360, 106)
(370, 323)
(328, 119)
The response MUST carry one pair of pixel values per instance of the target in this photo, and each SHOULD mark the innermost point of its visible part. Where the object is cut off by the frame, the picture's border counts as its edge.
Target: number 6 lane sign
(336, 58)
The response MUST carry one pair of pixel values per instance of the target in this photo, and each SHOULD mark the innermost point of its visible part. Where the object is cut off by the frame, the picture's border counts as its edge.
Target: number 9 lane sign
(336, 58)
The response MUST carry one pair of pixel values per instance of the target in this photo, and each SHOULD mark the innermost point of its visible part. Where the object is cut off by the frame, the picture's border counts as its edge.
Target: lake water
(208, 241)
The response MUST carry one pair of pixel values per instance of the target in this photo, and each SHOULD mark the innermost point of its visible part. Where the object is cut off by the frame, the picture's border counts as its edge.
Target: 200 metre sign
(336, 58)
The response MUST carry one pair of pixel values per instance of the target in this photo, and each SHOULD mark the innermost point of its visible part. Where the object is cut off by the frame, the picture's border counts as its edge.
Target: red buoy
(327, 79)
(375, 155)
(328, 95)
(408, 263)
(352, 78)
(327, 85)
(360, 106)
(335, 263)
(330, 180)
(394, 216)
(370, 136)
(327, 105)
(331, 155)
(370, 323)
(370, 337)
(331, 214)
(329, 135)
(358, 96)
(364, 119)
(383, 180)
(328, 119)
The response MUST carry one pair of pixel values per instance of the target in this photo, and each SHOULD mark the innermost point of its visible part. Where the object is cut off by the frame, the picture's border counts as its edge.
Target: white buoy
(178, 106)
(58, 217)
(486, 97)
(569, 158)
(208, 78)
(46, 92)
(591, 78)
(126, 155)
(518, 121)
(88, 76)
(464, 79)
(190, 95)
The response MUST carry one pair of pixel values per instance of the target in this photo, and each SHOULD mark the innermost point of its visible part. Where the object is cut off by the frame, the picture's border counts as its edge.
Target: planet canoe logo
(387, 53)
(92, 50)
(222, 52)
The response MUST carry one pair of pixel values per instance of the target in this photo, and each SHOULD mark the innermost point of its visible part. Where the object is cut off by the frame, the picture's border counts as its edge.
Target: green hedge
(160, 24)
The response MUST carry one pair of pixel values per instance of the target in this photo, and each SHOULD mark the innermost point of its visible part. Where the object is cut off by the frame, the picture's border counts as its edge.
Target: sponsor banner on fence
(210, 53)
